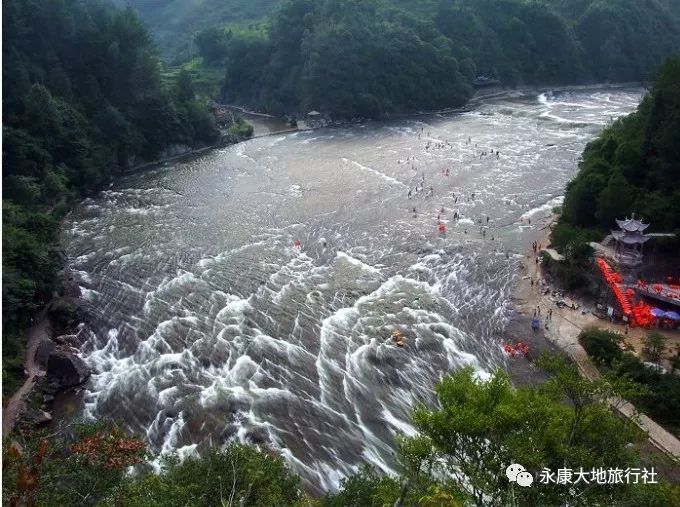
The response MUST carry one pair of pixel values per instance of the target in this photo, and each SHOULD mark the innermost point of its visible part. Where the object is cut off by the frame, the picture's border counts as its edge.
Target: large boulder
(66, 369)
(36, 417)
(44, 351)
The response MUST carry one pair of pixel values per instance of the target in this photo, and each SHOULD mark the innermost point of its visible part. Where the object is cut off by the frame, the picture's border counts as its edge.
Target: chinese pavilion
(629, 241)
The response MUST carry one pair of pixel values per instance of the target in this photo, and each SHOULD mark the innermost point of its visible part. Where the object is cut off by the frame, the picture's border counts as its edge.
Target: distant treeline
(82, 100)
(373, 58)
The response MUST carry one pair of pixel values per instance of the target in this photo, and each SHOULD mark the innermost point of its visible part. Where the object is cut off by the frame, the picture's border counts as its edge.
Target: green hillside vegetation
(173, 23)
(380, 57)
(661, 402)
(82, 100)
(478, 428)
(633, 166)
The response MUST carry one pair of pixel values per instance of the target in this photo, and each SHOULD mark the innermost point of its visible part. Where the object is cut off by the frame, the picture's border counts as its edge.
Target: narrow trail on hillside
(15, 404)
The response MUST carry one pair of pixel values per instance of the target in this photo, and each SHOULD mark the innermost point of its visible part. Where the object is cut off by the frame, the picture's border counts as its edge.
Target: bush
(662, 399)
(241, 128)
(75, 469)
(654, 346)
(601, 345)
(366, 488)
(237, 475)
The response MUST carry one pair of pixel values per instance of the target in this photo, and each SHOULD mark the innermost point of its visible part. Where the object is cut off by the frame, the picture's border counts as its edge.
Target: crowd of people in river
(428, 191)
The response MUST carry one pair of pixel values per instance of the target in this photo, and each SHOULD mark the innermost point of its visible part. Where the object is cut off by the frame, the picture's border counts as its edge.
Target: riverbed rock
(71, 289)
(36, 417)
(66, 369)
(43, 351)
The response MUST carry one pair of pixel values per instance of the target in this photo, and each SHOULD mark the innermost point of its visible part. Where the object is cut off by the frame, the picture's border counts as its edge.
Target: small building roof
(631, 225)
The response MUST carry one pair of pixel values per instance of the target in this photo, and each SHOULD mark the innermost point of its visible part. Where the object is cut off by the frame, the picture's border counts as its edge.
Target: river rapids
(206, 324)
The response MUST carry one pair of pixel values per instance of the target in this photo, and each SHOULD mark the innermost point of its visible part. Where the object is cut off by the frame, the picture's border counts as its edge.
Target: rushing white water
(206, 324)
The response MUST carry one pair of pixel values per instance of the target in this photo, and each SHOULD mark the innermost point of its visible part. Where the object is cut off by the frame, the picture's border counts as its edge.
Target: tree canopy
(380, 57)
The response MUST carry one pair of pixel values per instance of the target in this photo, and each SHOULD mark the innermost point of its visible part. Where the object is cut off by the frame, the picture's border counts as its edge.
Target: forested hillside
(82, 99)
(173, 23)
(373, 58)
(376, 57)
(634, 165)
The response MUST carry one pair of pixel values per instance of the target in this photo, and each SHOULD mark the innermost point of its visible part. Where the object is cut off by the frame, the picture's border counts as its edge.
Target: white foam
(544, 208)
(401, 426)
(88, 294)
(356, 262)
(377, 173)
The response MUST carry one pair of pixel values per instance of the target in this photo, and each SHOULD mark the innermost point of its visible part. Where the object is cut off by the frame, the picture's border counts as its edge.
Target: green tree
(83, 100)
(236, 475)
(483, 426)
(615, 200)
(654, 346)
(604, 346)
(184, 87)
(212, 44)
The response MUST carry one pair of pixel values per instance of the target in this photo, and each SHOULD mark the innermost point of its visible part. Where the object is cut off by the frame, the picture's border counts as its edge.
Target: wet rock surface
(65, 369)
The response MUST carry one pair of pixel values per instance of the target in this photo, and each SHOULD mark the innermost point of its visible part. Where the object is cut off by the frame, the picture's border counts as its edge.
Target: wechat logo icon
(517, 473)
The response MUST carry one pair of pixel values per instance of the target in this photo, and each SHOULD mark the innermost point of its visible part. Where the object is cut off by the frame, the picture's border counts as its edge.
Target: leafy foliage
(241, 128)
(604, 346)
(174, 22)
(632, 167)
(482, 427)
(238, 474)
(82, 100)
(654, 346)
(458, 457)
(571, 273)
(662, 398)
(75, 469)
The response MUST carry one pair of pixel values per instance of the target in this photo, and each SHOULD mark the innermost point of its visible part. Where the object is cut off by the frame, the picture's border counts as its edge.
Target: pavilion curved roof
(631, 225)
(630, 238)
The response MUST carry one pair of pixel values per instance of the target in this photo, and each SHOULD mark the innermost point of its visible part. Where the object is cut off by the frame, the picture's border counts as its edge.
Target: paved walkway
(564, 331)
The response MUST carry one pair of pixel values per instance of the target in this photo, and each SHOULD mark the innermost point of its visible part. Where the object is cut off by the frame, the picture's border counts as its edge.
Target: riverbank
(563, 329)
(320, 120)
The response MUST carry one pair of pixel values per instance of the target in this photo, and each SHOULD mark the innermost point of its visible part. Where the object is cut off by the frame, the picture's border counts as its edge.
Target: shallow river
(206, 323)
